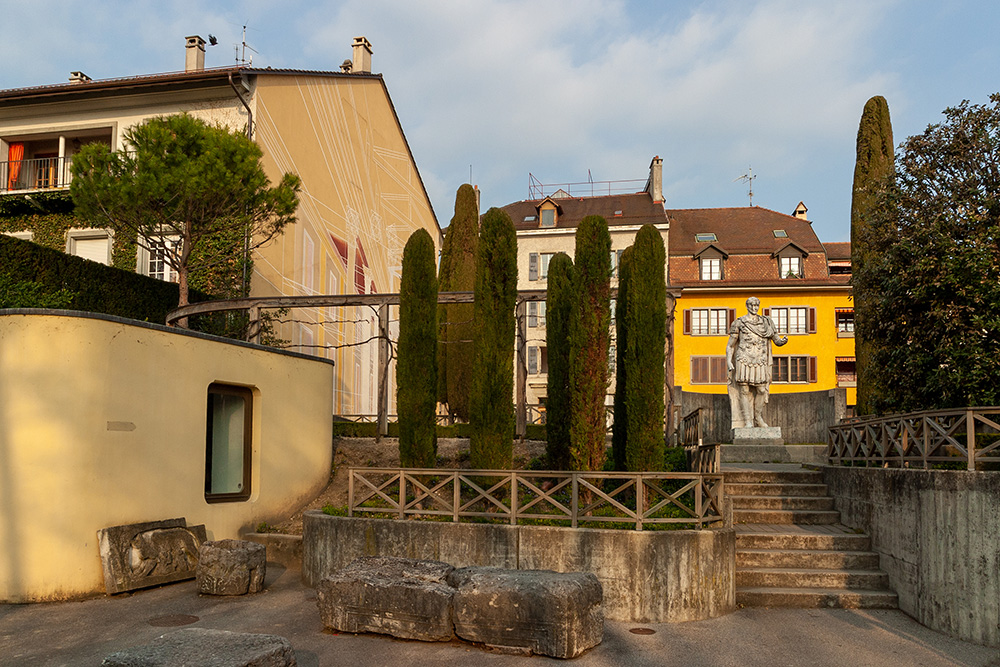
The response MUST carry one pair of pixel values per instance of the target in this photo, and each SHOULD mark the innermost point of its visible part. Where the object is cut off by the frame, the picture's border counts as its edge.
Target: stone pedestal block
(231, 567)
(757, 435)
(401, 597)
(549, 613)
(200, 646)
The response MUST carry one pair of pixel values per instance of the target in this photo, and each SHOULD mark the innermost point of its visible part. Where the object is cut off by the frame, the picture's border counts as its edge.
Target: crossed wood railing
(966, 436)
(575, 499)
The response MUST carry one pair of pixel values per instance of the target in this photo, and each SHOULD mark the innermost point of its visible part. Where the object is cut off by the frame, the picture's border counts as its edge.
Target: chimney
(194, 54)
(362, 56)
(78, 77)
(800, 212)
(655, 185)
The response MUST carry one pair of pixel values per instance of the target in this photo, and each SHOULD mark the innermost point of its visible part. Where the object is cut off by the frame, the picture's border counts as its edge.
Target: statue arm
(778, 339)
(734, 338)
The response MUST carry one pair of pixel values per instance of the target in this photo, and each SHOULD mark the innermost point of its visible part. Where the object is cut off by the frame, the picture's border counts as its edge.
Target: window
(156, 261)
(548, 217)
(787, 369)
(308, 263)
(845, 323)
(846, 372)
(530, 218)
(538, 265)
(228, 443)
(536, 313)
(705, 237)
(791, 267)
(538, 360)
(92, 244)
(708, 321)
(711, 268)
(708, 370)
(616, 262)
(790, 320)
(780, 234)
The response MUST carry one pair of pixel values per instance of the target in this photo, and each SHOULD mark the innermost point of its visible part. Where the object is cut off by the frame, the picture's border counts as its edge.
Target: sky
(575, 90)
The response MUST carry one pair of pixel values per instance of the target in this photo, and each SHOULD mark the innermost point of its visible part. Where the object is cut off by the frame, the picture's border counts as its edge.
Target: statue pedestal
(757, 435)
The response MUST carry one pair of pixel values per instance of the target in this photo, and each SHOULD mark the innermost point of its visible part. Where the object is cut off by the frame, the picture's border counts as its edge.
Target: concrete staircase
(791, 549)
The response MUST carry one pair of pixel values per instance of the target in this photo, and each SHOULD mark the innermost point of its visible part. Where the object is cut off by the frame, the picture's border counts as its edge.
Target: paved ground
(82, 633)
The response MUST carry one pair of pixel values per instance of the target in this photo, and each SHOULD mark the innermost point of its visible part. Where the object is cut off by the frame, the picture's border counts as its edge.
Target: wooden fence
(574, 499)
(969, 437)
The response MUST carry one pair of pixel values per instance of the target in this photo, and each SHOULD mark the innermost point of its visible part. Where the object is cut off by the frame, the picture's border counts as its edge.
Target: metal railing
(35, 174)
(573, 499)
(968, 437)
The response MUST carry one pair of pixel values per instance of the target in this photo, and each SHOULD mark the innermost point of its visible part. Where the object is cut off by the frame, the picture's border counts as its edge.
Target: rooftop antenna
(241, 57)
(747, 178)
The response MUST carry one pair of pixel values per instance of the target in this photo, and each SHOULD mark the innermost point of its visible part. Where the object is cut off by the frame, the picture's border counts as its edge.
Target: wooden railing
(574, 499)
(968, 437)
(691, 428)
(702, 457)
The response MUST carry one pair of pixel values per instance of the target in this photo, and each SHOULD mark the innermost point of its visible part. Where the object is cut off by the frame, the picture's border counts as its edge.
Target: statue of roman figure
(748, 360)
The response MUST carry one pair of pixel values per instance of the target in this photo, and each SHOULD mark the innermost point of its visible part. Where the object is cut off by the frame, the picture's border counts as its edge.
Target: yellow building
(361, 197)
(721, 257)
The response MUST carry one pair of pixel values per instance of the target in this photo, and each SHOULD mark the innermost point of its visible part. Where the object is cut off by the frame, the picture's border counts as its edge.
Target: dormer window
(711, 268)
(548, 217)
(791, 267)
(790, 261)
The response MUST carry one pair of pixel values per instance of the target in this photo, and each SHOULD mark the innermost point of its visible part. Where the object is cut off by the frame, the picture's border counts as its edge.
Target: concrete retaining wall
(648, 576)
(938, 537)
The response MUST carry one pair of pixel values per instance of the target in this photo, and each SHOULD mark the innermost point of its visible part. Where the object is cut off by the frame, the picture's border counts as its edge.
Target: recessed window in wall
(92, 244)
(548, 217)
(791, 267)
(229, 443)
(711, 268)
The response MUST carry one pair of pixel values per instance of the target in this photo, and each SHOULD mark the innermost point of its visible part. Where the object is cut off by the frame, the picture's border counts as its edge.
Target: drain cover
(172, 620)
(642, 631)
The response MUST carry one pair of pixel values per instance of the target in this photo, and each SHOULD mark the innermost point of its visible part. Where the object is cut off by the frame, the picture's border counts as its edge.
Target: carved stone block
(201, 646)
(757, 435)
(231, 567)
(140, 555)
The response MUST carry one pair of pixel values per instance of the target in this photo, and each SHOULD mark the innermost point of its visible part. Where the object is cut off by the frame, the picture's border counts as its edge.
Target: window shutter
(532, 360)
(687, 321)
(730, 318)
(532, 314)
(533, 266)
(699, 366)
(812, 320)
(718, 370)
(812, 369)
(767, 312)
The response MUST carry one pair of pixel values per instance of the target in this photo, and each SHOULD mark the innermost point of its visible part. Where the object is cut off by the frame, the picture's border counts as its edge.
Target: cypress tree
(491, 406)
(875, 165)
(645, 324)
(619, 429)
(458, 274)
(416, 367)
(590, 339)
(560, 299)
(444, 280)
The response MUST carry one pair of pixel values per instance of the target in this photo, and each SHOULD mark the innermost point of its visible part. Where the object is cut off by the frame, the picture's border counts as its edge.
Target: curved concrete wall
(102, 423)
(648, 576)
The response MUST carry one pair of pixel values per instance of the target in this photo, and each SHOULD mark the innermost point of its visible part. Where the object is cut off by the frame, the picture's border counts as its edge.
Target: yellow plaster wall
(64, 474)
(825, 345)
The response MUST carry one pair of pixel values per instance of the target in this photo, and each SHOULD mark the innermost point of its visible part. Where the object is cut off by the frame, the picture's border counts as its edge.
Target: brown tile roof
(839, 250)
(739, 230)
(636, 209)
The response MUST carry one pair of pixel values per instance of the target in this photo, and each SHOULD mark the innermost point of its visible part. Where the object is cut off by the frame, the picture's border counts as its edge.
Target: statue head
(753, 305)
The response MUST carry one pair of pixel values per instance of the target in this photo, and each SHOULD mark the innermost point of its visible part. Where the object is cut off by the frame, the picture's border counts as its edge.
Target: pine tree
(416, 367)
(875, 164)
(458, 274)
(559, 301)
(645, 324)
(590, 339)
(619, 429)
(491, 406)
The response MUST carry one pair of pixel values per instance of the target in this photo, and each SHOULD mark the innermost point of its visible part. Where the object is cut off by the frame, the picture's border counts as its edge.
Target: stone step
(740, 489)
(807, 558)
(803, 517)
(803, 476)
(807, 541)
(816, 598)
(812, 503)
(776, 577)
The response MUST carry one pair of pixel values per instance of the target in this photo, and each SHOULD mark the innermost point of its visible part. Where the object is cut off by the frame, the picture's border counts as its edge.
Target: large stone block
(401, 597)
(757, 435)
(231, 567)
(140, 555)
(208, 648)
(550, 613)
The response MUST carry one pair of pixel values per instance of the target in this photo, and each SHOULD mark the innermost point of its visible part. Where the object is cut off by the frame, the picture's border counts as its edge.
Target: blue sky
(560, 88)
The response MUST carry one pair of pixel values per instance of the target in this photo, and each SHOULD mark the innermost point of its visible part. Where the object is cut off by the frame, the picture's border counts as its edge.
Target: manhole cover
(642, 631)
(172, 620)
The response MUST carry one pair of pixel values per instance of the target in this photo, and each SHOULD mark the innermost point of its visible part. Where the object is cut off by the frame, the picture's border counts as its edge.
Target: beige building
(547, 225)
(361, 197)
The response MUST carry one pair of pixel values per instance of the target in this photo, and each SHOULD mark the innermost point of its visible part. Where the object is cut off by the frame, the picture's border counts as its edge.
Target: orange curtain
(15, 153)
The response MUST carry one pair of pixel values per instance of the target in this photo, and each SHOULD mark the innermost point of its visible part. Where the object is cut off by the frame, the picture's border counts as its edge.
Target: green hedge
(94, 287)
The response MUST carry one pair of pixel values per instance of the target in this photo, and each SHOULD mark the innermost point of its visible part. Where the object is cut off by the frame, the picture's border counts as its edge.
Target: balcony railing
(45, 173)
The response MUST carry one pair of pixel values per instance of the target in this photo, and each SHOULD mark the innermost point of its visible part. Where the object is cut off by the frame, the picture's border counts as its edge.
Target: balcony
(39, 162)
(46, 173)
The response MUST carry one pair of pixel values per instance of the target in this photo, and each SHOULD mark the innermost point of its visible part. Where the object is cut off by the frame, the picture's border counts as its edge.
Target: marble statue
(748, 360)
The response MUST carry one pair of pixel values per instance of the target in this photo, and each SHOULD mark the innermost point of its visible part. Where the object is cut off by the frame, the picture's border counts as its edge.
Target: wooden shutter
(687, 321)
(812, 369)
(812, 320)
(533, 266)
(699, 370)
(532, 314)
(730, 318)
(718, 370)
(767, 312)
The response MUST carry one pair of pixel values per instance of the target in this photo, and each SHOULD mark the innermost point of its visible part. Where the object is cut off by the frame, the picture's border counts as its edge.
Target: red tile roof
(633, 209)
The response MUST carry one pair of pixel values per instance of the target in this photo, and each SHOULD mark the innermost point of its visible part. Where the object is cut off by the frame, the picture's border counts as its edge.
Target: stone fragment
(231, 567)
(402, 597)
(140, 555)
(207, 648)
(549, 613)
